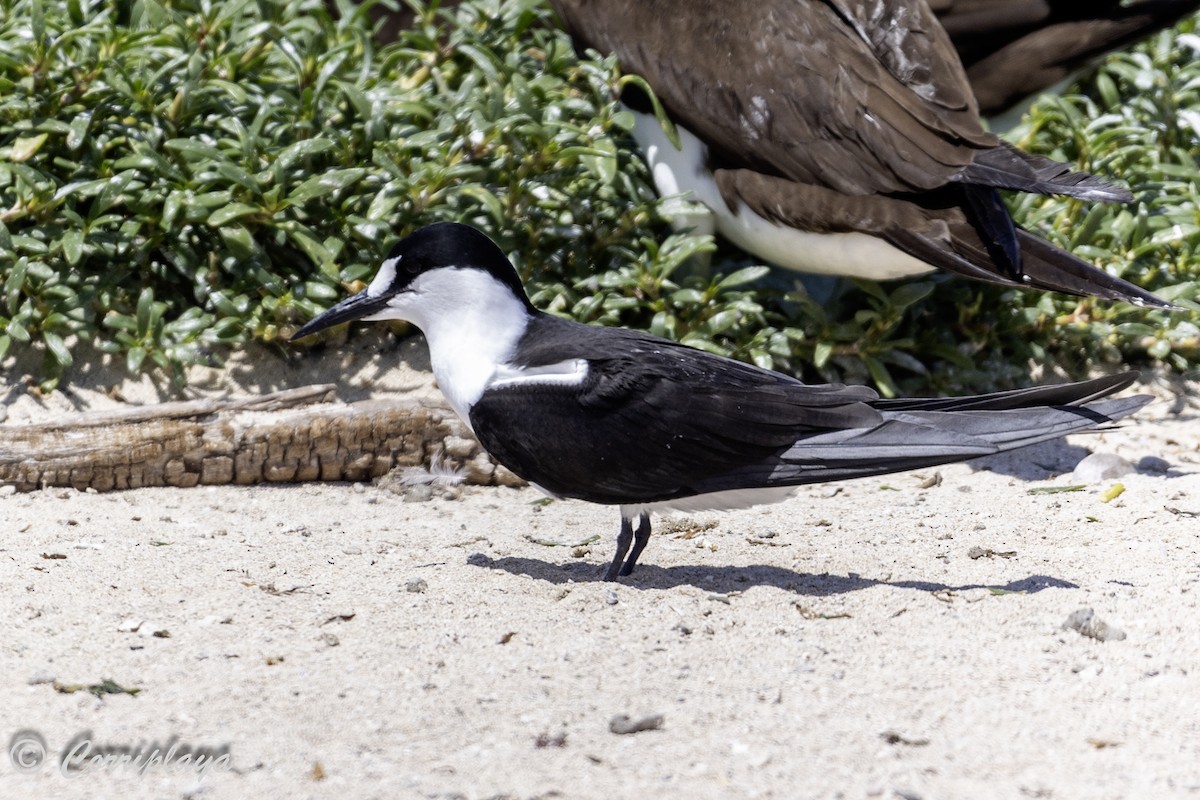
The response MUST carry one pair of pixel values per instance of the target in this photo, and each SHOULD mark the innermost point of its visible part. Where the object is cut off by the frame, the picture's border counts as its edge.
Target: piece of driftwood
(278, 437)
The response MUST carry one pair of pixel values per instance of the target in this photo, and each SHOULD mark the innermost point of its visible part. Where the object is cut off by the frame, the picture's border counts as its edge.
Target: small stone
(130, 625)
(1101, 467)
(1088, 624)
(623, 724)
(359, 488)
(40, 677)
(611, 598)
(419, 493)
(7, 489)
(417, 586)
(330, 640)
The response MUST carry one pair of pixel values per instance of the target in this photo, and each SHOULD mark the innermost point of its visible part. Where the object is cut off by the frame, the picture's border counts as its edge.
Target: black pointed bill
(352, 308)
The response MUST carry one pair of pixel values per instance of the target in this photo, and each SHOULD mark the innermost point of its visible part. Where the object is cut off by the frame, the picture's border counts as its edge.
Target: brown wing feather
(863, 98)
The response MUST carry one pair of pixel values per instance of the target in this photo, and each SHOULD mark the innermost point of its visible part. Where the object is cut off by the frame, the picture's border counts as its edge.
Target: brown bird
(837, 137)
(1014, 49)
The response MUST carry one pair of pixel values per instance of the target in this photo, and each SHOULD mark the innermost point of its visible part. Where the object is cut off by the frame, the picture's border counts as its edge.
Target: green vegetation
(178, 178)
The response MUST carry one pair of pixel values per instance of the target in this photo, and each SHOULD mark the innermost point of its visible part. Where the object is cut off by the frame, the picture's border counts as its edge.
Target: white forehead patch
(383, 279)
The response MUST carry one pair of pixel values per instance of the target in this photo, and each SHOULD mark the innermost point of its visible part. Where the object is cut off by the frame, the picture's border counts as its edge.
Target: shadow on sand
(731, 579)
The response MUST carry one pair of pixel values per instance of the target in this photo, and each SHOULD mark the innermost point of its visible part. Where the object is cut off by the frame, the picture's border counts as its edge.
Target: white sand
(842, 644)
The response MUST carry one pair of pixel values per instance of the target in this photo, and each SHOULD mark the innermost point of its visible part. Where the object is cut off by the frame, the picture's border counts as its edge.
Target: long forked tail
(926, 433)
(1059, 394)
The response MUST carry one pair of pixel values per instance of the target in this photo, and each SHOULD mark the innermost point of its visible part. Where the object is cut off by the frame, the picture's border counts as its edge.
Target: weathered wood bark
(236, 441)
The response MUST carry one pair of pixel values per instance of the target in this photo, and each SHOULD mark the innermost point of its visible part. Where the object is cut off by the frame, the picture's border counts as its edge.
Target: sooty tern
(1013, 49)
(624, 418)
(837, 137)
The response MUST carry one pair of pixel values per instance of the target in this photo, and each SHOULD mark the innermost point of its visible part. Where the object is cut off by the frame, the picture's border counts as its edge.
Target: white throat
(472, 323)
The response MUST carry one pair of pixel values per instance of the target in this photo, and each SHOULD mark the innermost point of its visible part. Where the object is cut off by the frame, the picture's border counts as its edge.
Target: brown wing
(1015, 48)
(860, 97)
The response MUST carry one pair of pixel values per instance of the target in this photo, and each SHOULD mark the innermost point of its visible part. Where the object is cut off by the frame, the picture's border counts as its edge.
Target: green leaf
(16, 329)
(743, 276)
(25, 147)
(821, 353)
(134, 358)
(145, 306)
(72, 244)
(881, 376)
(320, 185)
(908, 294)
(57, 348)
(297, 151)
(231, 212)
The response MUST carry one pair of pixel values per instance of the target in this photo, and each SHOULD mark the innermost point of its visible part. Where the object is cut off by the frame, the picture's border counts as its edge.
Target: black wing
(653, 420)
(656, 421)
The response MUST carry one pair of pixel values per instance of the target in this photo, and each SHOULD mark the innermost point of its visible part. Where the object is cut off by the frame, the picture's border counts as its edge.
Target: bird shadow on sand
(1037, 462)
(726, 579)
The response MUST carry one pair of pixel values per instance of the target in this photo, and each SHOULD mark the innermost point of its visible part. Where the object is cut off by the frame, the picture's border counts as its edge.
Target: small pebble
(7, 489)
(1101, 467)
(420, 493)
(40, 677)
(359, 488)
(611, 599)
(623, 724)
(330, 640)
(417, 586)
(130, 625)
(1088, 624)
(152, 629)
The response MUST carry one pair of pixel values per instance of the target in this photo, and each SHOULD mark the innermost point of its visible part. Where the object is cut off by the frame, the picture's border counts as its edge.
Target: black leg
(639, 544)
(623, 540)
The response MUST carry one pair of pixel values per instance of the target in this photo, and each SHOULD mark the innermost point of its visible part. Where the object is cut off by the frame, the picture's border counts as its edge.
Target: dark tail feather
(1062, 394)
(912, 439)
(1021, 427)
(1043, 265)
(1006, 167)
(990, 218)
(1048, 267)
